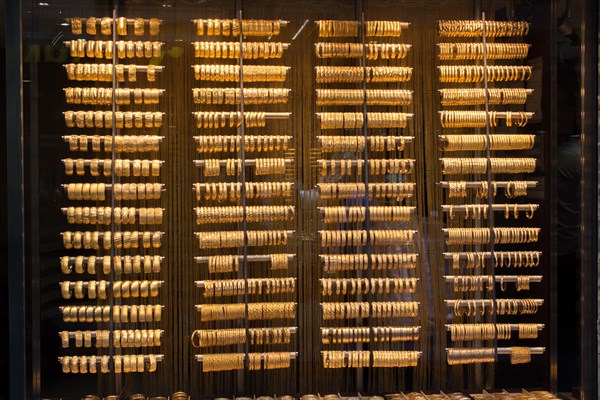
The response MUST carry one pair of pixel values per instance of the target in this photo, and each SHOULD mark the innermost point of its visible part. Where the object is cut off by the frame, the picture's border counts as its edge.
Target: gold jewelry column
(116, 290)
(245, 206)
(473, 201)
(367, 233)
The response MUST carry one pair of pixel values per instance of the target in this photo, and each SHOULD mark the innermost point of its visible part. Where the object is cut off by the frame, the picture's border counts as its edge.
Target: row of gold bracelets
(255, 311)
(387, 97)
(333, 144)
(106, 48)
(121, 167)
(256, 361)
(337, 238)
(459, 166)
(513, 189)
(380, 310)
(233, 166)
(231, 27)
(224, 337)
(475, 96)
(232, 191)
(502, 235)
(362, 358)
(251, 286)
(346, 359)
(470, 308)
(88, 289)
(231, 73)
(365, 285)
(104, 96)
(380, 166)
(104, 72)
(91, 240)
(477, 73)
(481, 142)
(398, 191)
(517, 259)
(123, 191)
(120, 364)
(135, 288)
(470, 355)
(520, 355)
(118, 314)
(331, 28)
(475, 51)
(230, 263)
(122, 143)
(349, 120)
(220, 239)
(392, 359)
(372, 51)
(235, 214)
(480, 211)
(472, 283)
(233, 119)
(383, 28)
(328, 74)
(360, 262)
(122, 215)
(252, 143)
(233, 95)
(106, 25)
(474, 28)
(462, 332)
(343, 214)
(119, 264)
(221, 264)
(249, 50)
(479, 119)
(381, 334)
(104, 119)
(120, 338)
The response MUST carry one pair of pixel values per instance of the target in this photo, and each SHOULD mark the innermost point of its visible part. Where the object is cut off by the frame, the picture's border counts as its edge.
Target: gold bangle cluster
(234, 214)
(250, 286)
(478, 73)
(249, 50)
(474, 28)
(350, 97)
(337, 238)
(482, 142)
(354, 286)
(221, 119)
(329, 74)
(360, 262)
(106, 25)
(104, 119)
(231, 73)
(475, 51)
(232, 191)
(122, 143)
(341, 214)
(104, 72)
(473, 97)
(470, 355)
(252, 143)
(106, 48)
(229, 239)
(231, 27)
(342, 144)
(381, 334)
(398, 191)
(255, 311)
(461, 166)
(379, 310)
(234, 95)
(502, 235)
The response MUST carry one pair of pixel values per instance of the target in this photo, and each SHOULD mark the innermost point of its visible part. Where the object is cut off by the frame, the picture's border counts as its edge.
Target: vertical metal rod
(113, 252)
(243, 195)
(491, 267)
(14, 197)
(366, 201)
